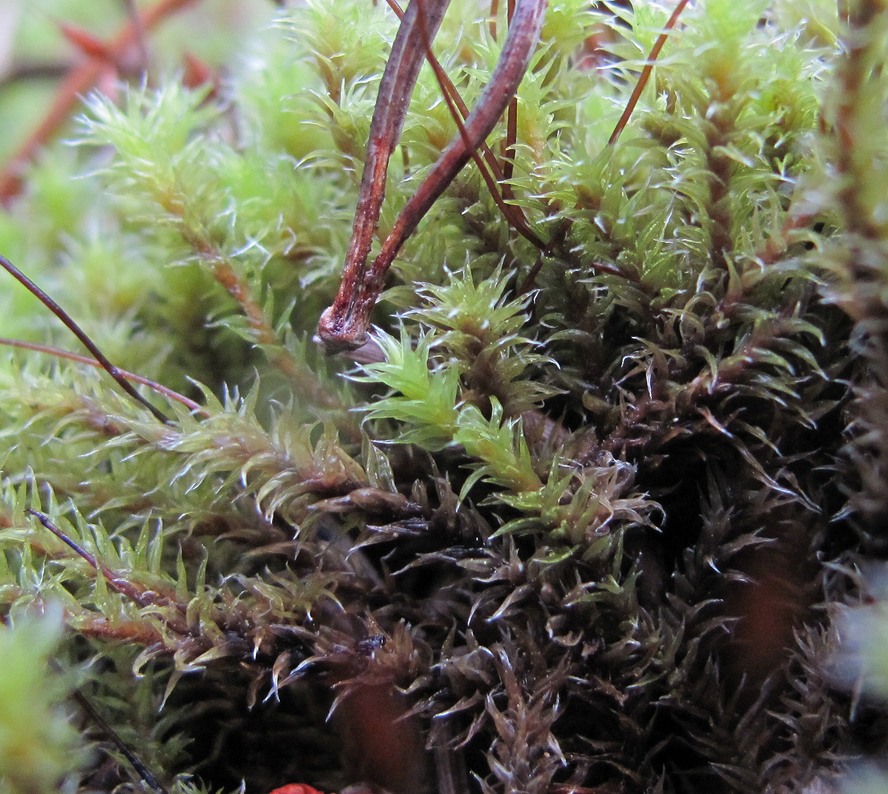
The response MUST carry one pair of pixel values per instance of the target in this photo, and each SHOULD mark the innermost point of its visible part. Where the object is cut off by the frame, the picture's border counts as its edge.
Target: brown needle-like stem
(646, 72)
(395, 89)
(148, 777)
(115, 582)
(345, 324)
(75, 329)
(511, 125)
(493, 176)
(156, 387)
(618, 129)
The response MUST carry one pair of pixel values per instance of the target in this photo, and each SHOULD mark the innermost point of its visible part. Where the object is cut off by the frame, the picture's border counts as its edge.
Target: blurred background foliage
(35, 53)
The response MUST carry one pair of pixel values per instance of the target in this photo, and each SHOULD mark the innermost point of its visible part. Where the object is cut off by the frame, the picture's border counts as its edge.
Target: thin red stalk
(449, 89)
(156, 387)
(458, 112)
(646, 72)
(114, 581)
(395, 88)
(76, 84)
(345, 324)
(511, 127)
(494, 10)
(517, 51)
(493, 176)
(137, 594)
(75, 329)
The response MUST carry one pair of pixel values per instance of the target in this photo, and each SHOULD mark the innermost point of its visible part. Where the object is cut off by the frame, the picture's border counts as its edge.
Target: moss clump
(570, 539)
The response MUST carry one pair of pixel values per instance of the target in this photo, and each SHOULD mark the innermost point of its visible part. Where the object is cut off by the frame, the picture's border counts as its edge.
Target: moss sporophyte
(599, 456)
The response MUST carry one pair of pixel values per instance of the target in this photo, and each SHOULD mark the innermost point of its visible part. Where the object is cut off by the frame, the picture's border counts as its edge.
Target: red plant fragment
(296, 788)
(197, 74)
(88, 44)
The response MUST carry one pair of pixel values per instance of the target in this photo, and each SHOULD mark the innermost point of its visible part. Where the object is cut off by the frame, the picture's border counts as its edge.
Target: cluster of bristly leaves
(572, 538)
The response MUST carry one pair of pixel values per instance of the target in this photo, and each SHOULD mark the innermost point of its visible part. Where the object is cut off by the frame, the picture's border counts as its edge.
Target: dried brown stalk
(344, 325)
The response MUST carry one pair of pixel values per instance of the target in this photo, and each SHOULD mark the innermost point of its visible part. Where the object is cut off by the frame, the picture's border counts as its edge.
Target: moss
(591, 534)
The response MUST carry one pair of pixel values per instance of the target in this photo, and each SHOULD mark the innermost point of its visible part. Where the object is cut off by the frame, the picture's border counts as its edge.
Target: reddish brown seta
(345, 324)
